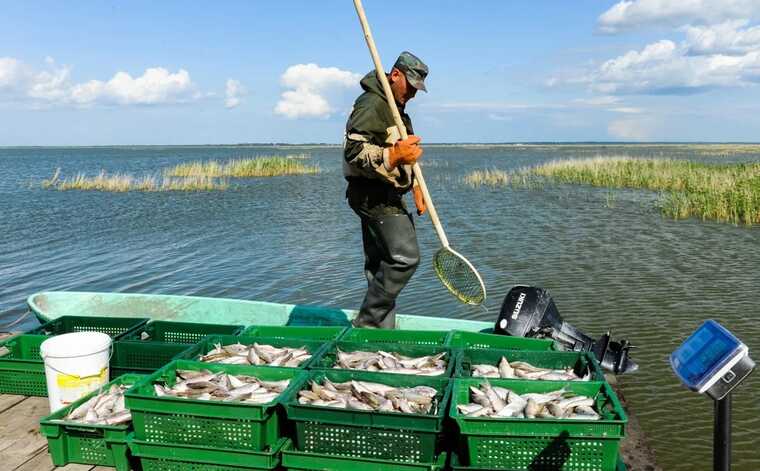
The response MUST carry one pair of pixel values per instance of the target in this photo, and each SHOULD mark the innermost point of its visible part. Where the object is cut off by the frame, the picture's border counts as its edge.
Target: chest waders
(391, 253)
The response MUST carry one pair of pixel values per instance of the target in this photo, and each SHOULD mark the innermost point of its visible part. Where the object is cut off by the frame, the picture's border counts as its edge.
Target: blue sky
(98, 73)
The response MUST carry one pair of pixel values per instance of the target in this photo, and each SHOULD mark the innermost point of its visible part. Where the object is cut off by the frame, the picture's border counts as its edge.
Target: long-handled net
(454, 271)
(459, 276)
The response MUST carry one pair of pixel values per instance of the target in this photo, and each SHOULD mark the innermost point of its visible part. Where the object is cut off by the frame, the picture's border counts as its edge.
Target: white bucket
(75, 364)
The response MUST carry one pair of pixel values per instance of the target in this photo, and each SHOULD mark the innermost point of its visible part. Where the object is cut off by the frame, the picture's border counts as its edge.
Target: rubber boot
(396, 256)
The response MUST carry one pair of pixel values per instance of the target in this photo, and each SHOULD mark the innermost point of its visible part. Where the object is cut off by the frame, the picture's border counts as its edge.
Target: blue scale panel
(704, 353)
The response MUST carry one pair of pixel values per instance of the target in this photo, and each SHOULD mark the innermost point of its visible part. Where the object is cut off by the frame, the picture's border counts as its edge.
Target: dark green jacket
(370, 131)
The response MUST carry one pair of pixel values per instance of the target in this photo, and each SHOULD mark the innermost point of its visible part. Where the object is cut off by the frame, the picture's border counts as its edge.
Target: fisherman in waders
(378, 167)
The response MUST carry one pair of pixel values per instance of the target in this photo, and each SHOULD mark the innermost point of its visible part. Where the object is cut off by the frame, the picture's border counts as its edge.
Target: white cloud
(233, 93)
(626, 110)
(492, 106)
(725, 38)
(53, 86)
(630, 14)
(604, 100)
(665, 67)
(630, 129)
(313, 90)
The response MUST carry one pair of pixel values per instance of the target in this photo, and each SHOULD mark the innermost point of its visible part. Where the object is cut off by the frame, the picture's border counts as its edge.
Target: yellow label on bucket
(71, 381)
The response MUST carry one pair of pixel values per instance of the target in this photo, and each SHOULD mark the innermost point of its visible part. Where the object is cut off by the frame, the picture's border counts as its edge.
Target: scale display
(705, 354)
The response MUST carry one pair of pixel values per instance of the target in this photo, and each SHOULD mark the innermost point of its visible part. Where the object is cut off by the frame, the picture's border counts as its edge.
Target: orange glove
(419, 201)
(405, 152)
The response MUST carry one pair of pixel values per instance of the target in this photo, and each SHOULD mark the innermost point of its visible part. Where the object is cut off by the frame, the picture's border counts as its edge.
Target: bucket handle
(110, 356)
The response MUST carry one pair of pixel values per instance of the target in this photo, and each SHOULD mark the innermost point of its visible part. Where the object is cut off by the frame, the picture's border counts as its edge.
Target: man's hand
(419, 201)
(405, 152)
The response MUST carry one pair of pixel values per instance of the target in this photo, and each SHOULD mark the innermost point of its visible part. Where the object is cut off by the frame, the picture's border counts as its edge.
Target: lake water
(610, 260)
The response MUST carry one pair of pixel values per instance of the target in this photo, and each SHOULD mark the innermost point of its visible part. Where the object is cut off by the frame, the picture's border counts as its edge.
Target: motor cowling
(529, 311)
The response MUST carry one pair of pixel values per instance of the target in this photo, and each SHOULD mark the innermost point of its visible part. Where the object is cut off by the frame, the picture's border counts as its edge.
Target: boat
(49, 305)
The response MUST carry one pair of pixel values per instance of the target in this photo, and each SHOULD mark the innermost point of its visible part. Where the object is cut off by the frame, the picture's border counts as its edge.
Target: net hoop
(473, 300)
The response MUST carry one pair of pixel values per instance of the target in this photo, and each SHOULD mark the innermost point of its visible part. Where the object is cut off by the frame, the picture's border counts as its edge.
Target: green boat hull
(49, 305)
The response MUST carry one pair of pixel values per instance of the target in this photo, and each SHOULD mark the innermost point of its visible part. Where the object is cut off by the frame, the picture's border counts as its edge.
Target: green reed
(268, 166)
(720, 192)
(122, 182)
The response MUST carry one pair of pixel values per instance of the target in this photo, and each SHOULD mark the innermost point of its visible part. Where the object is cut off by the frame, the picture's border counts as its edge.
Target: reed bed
(268, 166)
(122, 182)
(720, 192)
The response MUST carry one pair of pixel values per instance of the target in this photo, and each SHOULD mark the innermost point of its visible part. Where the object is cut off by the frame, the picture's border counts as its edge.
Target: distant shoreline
(432, 144)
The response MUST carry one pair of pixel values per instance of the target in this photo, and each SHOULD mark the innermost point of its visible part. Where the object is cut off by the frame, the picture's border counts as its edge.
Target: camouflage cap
(413, 68)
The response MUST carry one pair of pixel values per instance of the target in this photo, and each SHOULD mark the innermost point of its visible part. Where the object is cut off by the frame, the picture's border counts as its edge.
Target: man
(378, 167)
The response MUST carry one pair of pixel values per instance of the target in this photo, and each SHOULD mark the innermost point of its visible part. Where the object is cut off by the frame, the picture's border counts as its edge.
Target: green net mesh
(459, 276)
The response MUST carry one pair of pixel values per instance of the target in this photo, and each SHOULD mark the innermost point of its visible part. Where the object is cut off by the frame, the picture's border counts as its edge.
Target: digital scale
(713, 361)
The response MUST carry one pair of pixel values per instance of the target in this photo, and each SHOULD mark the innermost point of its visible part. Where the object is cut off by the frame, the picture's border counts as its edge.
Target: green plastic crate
(73, 442)
(314, 347)
(580, 362)
(474, 340)
(142, 357)
(116, 327)
(366, 434)
(455, 466)
(286, 332)
(22, 370)
(392, 336)
(180, 332)
(512, 443)
(294, 460)
(217, 424)
(162, 457)
(328, 357)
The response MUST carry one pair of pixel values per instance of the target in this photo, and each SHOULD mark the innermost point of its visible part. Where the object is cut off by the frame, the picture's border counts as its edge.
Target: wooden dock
(22, 447)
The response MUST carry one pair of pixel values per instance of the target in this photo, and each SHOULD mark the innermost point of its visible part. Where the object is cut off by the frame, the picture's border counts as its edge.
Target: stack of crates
(348, 439)
(487, 443)
(155, 344)
(22, 370)
(77, 442)
(173, 433)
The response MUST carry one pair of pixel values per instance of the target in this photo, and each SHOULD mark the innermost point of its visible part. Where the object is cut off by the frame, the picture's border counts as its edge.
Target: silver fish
(105, 408)
(493, 401)
(391, 362)
(370, 396)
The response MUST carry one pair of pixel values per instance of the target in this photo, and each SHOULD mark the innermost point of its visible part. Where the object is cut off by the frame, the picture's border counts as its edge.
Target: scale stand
(712, 361)
(722, 434)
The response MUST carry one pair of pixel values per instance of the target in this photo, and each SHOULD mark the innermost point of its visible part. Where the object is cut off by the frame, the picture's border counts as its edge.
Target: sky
(191, 72)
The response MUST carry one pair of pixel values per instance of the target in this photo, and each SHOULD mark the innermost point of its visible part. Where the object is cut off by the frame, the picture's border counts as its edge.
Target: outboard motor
(530, 312)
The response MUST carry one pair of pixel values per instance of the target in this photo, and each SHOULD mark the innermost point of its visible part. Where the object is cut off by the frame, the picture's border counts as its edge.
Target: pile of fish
(363, 395)
(430, 365)
(524, 370)
(256, 354)
(106, 408)
(207, 386)
(494, 401)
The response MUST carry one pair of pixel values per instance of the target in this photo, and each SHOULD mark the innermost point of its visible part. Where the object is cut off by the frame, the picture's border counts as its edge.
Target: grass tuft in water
(122, 182)
(720, 192)
(269, 166)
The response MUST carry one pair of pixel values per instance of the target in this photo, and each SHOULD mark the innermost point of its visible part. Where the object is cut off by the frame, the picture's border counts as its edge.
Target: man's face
(402, 90)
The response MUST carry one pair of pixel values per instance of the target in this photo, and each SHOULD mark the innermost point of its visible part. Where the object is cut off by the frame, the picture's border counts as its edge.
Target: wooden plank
(41, 462)
(9, 400)
(20, 439)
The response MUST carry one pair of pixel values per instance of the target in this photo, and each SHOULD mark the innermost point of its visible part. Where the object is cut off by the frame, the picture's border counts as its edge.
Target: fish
(524, 370)
(105, 408)
(370, 396)
(494, 401)
(207, 386)
(257, 355)
(391, 362)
